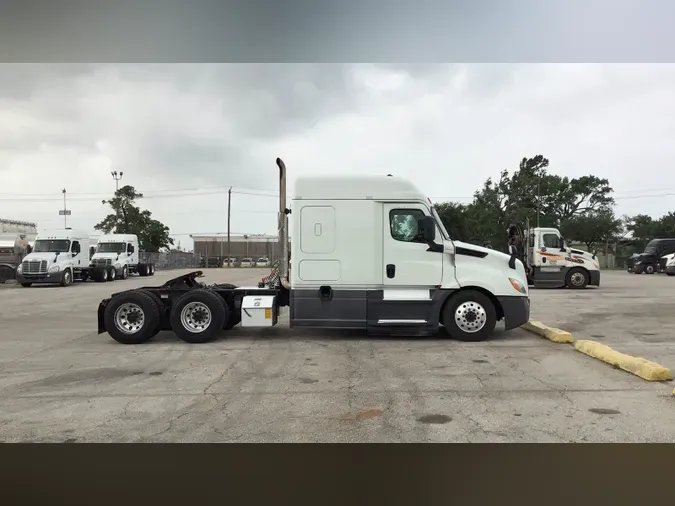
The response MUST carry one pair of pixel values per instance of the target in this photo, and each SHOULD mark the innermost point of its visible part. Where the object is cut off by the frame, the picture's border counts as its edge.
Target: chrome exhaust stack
(283, 226)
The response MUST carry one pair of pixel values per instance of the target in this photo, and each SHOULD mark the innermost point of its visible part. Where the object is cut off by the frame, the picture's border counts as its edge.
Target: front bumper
(50, 277)
(516, 311)
(594, 278)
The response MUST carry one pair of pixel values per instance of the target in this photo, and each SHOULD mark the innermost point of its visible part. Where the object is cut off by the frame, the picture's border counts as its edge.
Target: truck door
(550, 264)
(76, 249)
(409, 272)
(406, 261)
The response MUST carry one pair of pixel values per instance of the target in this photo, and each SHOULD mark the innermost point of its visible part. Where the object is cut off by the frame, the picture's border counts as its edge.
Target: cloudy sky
(182, 134)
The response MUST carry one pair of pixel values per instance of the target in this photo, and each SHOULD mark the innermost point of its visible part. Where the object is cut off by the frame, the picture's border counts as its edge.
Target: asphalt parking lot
(61, 382)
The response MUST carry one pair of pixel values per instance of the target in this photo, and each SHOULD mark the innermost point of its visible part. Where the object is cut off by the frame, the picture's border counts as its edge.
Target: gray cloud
(448, 126)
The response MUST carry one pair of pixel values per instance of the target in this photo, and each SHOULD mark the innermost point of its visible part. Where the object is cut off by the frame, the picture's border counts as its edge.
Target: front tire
(125, 272)
(26, 285)
(577, 278)
(469, 316)
(132, 317)
(112, 273)
(67, 278)
(649, 269)
(199, 316)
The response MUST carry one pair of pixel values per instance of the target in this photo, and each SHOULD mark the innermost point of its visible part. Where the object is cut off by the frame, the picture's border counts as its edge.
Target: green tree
(528, 192)
(454, 218)
(591, 228)
(128, 218)
(642, 226)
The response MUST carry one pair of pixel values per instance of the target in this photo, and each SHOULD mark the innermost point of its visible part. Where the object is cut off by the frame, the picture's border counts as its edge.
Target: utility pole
(229, 201)
(65, 210)
(538, 198)
(117, 176)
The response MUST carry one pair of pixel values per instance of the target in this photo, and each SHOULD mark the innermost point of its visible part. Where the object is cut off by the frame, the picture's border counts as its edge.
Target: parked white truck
(117, 256)
(551, 263)
(368, 253)
(58, 256)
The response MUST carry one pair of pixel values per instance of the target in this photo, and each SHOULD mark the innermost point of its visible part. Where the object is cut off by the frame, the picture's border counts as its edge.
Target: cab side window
(403, 225)
(551, 241)
(76, 247)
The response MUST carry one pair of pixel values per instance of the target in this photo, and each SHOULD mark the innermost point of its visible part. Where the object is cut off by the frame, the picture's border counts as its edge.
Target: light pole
(117, 176)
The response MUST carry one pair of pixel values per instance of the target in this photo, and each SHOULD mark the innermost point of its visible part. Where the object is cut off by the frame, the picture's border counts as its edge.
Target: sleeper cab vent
(470, 252)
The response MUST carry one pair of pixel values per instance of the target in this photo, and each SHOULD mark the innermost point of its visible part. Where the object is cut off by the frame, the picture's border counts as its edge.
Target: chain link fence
(175, 260)
(170, 261)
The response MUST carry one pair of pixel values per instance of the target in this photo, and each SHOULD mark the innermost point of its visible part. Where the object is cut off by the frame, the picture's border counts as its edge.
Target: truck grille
(101, 262)
(34, 267)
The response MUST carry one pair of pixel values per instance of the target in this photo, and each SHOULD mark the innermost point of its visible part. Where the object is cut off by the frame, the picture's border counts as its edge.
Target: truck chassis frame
(166, 296)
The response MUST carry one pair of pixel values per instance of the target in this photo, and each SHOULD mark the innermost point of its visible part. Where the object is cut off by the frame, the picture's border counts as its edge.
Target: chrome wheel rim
(112, 274)
(577, 279)
(649, 269)
(66, 277)
(195, 317)
(470, 317)
(129, 318)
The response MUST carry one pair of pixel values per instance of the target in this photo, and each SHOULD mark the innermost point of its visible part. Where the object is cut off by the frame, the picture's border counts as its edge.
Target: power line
(145, 197)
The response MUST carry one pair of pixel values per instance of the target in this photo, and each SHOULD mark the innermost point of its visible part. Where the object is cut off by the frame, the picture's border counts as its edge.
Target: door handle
(391, 270)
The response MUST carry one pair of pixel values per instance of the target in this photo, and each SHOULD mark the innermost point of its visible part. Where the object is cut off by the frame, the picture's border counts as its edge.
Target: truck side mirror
(427, 228)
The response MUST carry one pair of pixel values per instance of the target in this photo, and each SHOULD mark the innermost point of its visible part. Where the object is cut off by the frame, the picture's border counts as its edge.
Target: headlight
(54, 268)
(19, 268)
(517, 285)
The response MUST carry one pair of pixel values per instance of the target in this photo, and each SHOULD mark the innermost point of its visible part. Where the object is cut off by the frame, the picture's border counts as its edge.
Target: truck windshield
(651, 248)
(111, 247)
(440, 223)
(52, 246)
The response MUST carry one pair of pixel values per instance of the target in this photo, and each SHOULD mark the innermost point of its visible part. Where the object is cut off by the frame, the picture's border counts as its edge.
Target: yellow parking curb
(550, 333)
(650, 371)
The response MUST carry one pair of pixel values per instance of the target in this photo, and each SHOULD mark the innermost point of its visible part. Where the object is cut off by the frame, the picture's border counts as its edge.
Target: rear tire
(160, 309)
(142, 269)
(469, 316)
(577, 278)
(151, 269)
(670, 273)
(199, 316)
(131, 317)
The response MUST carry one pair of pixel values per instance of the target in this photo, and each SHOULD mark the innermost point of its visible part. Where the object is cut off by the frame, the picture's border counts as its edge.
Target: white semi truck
(369, 253)
(117, 256)
(550, 263)
(58, 256)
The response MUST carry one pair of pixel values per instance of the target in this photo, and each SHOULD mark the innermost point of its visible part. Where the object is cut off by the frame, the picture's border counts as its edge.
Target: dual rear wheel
(198, 316)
